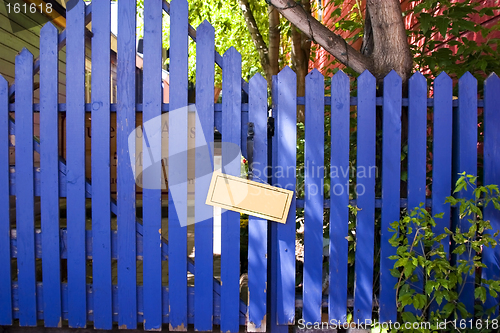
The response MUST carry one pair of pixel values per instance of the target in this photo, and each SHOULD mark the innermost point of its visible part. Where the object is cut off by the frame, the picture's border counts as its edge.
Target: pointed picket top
(418, 78)
(392, 75)
(340, 75)
(257, 81)
(467, 91)
(204, 26)
(367, 76)
(442, 78)
(491, 90)
(417, 85)
(467, 78)
(392, 80)
(286, 72)
(24, 53)
(314, 74)
(232, 52)
(48, 28)
(492, 79)
(24, 56)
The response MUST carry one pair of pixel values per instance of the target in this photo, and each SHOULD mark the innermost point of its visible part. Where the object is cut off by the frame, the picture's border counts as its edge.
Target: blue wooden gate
(35, 285)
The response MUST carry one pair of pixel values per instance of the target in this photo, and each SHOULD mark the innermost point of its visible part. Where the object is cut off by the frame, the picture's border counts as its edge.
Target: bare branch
(259, 42)
(331, 42)
(274, 41)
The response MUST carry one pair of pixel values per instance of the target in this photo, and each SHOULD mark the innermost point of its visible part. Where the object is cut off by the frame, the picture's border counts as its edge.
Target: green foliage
(420, 249)
(230, 30)
(437, 36)
(449, 21)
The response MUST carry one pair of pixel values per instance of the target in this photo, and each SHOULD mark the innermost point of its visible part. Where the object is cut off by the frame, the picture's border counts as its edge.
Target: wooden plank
(230, 221)
(125, 121)
(441, 165)
(257, 228)
(391, 177)
(442, 144)
(466, 160)
(286, 141)
(339, 197)
(164, 290)
(365, 190)
(100, 164)
(178, 166)
(25, 200)
(273, 232)
(417, 142)
(75, 160)
(152, 177)
(203, 237)
(49, 174)
(75, 181)
(5, 273)
(491, 176)
(313, 205)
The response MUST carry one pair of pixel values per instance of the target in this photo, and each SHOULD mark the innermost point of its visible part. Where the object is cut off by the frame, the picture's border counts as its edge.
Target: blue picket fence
(271, 246)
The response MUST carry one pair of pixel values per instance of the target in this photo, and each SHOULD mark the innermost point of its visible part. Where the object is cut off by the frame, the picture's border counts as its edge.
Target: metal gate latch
(250, 137)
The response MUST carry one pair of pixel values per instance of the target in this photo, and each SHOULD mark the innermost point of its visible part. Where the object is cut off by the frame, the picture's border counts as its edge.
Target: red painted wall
(322, 63)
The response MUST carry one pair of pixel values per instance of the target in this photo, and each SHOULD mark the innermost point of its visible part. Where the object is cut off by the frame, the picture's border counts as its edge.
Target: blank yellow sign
(249, 197)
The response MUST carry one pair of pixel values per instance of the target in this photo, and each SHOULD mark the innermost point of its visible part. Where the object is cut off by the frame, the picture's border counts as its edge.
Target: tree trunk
(387, 50)
(390, 44)
(274, 42)
(258, 41)
(300, 60)
(301, 51)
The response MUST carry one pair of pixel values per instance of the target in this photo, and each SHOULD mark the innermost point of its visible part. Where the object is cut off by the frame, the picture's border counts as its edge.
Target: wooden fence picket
(75, 161)
(285, 172)
(339, 198)
(257, 228)
(5, 272)
(100, 160)
(416, 173)
(465, 159)
(203, 237)
(178, 165)
(151, 176)
(313, 206)
(365, 192)
(441, 154)
(273, 229)
(49, 176)
(230, 220)
(25, 196)
(391, 177)
(125, 119)
(491, 111)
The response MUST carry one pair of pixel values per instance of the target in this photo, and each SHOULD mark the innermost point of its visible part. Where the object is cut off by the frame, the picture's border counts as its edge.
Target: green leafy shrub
(420, 250)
